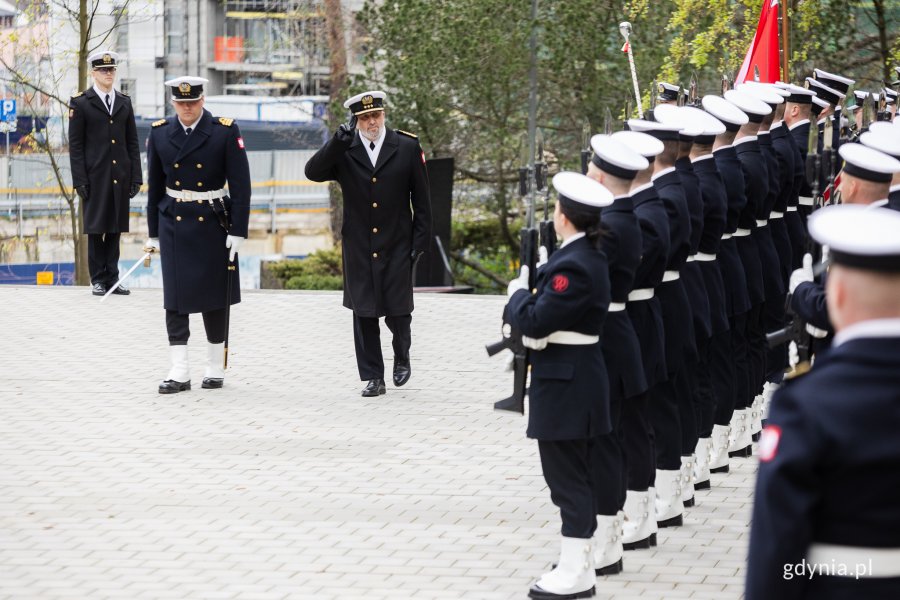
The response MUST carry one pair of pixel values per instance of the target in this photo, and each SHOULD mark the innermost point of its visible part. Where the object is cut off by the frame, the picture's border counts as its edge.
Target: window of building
(120, 13)
(127, 86)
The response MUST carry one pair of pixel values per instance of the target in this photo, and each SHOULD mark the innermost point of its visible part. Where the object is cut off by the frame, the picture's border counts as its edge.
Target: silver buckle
(187, 196)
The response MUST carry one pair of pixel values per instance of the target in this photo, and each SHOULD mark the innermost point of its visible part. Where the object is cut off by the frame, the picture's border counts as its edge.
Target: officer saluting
(196, 225)
(827, 496)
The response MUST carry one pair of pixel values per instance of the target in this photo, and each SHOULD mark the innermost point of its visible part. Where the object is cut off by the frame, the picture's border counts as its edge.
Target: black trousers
(608, 462)
(740, 356)
(567, 471)
(722, 368)
(640, 454)
(777, 357)
(665, 418)
(367, 340)
(178, 327)
(756, 350)
(103, 258)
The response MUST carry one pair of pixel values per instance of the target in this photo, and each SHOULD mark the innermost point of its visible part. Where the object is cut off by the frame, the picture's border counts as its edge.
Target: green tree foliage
(321, 270)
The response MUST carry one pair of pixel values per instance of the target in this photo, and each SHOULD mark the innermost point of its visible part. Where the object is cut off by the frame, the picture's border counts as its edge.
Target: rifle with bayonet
(585, 146)
(693, 91)
(654, 95)
(546, 229)
(884, 113)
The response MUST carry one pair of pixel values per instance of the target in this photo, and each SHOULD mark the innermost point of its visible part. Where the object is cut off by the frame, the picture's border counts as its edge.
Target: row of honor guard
(650, 366)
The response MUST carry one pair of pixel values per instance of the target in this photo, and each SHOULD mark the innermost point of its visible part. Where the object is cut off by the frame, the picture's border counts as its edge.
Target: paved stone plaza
(286, 483)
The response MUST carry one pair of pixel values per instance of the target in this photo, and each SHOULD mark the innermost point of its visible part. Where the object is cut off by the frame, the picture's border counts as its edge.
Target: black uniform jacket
(621, 242)
(737, 298)
(646, 315)
(191, 239)
(784, 160)
(768, 252)
(104, 154)
(792, 219)
(829, 472)
(569, 394)
(808, 301)
(715, 204)
(691, 274)
(387, 214)
(747, 246)
(894, 200)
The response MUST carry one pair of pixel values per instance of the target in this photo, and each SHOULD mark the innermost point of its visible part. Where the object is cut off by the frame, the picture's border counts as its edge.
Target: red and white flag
(763, 52)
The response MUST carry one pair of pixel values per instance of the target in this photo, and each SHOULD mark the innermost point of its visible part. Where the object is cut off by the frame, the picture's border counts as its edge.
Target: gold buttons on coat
(114, 161)
(374, 179)
(176, 165)
(115, 181)
(200, 219)
(178, 200)
(114, 141)
(178, 218)
(199, 166)
(374, 255)
(374, 230)
(110, 121)
(374, 205)
(177, 183)
(199, 184)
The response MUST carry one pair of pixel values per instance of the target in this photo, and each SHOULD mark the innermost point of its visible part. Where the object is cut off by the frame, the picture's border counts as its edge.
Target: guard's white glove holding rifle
(519, 283)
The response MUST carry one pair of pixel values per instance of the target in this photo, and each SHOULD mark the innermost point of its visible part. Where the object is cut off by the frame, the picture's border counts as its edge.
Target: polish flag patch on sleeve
(241, 143)
(768, 443)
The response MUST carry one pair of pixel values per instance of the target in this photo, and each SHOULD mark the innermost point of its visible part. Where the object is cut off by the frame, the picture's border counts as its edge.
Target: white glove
(151, 245)
(534, 343)
(793, 354)
(542, 257)
(234, 242)
(519, 283)
(801, 275)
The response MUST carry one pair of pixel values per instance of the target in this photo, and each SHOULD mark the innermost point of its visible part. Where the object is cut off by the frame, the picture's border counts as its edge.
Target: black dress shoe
(121, 290)
(375, 387)
(402, 371)
(173, 387)
(212, 383)
(98, 289)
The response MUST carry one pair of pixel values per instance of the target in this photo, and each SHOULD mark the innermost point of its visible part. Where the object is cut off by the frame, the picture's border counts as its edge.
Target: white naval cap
(867, 163)
(581, 190)
(859, 236)
(726, 112)
(669, 114)
(187, 88)
(667, 91)
(883, 140)
(664, 133)
(797, 94)
(818, 105)
(700, 125)
(833, 81)
(825, 92)
(645, 145)
(366, 102)
(768, 94)
(755, 108)
(616, 158)
(886, 126)
(103, 58)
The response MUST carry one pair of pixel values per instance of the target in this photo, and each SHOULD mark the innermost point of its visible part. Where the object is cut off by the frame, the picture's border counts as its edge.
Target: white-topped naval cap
(764, 92)
(695, 122)
(645, 145)
(726, 112)
(885, 126)
(582, 189)
(103, 58)
(833, 78)
(859, 236)
(658, 130)
(187, 88)
(192, 81)
(669, 114)
(366, 102)
(755, 108)
(868, 163)
(614, 157)
(885, 140)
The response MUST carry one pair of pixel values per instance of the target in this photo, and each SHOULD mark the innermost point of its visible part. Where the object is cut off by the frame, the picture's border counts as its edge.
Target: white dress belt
(741, 232)
(572, 338)
(704, 257)
(792, 209)
(775, 215)
(191, 195)
(726, 236)
(762, 223)
(805, 200)
(670, 276)
(849, 561)
(616, 306)
(640, 294)
(691, 258)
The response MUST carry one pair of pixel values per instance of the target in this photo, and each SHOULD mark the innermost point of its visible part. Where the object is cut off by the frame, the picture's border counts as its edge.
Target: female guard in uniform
(568, 399)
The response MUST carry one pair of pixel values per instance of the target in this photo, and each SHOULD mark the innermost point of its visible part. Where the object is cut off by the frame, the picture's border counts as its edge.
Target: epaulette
(158, 123)
(798, 371)
(225, 121)
(406, 133)
(78, 94)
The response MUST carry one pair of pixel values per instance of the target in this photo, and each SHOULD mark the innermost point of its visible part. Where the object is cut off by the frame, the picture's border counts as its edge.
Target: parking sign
(9, 110)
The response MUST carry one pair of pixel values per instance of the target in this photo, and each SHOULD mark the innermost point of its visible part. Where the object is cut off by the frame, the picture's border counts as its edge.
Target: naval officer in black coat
(387, 227)
(826, 514)
(197, 225)
(106, 167)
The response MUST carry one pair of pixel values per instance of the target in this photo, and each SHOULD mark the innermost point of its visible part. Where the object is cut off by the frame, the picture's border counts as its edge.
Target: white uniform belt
(775, 215)
(726, 236)
(792, 209)
(572, 338)
(762, 223)
(805, 200)
(691, 258)
(704, 257)
(835, 560)
(741, 232)
(191, 195)
(670, 276)
(616, 306)
(640, 294)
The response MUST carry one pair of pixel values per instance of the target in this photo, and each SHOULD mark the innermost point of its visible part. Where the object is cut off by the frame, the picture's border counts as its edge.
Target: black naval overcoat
(829, 473)
(691, 274)
(646, 315)
(621, 242)
(737, 298)
(387, 215)
(715, 204)
(105, 156)
(894, 200)
(191, 239)
(747, 246)
(569, 394)
(784, 160)
(800, 133)
(792, 218)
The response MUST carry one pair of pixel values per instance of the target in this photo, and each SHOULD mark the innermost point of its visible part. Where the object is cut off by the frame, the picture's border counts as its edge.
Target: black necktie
(372, 145)
(188, 131)
(108, 105)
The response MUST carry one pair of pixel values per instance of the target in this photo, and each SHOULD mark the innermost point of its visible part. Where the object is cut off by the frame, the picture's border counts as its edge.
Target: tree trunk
(884, 50)
(82, 276)
(337, 50)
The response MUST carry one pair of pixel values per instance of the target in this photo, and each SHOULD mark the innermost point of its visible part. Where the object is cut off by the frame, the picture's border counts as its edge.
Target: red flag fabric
(763, 51)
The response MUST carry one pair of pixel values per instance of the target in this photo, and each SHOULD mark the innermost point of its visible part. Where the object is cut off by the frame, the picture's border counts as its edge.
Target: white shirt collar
(102, 94)
(722, 148)
(568, 241)
(874, 328)
(704, 157)
(665, 171)
(641, 188)
(744, 140)
(776, 125)
(894, 188)
(193, 125)
(798, 124)
(373, 152)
